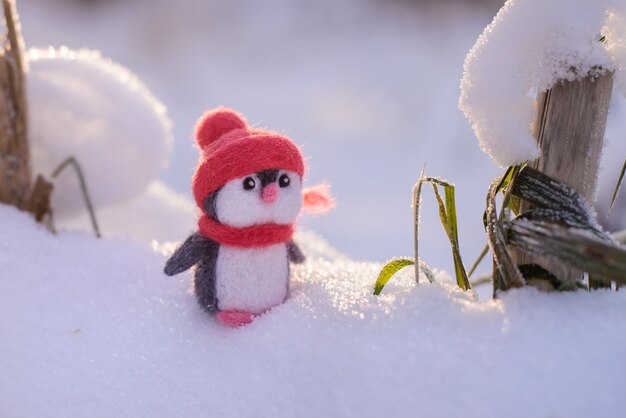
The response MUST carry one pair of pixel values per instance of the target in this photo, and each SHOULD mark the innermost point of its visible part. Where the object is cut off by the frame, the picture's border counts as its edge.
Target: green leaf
(515, 204)
(506, 178)
(447, 213)
(451, 211)
(509, 201)
(389, 270)
(619, 183)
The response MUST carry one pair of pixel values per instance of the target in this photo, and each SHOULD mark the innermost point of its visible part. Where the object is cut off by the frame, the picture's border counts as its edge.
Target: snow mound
(159, 214)
(93, 328)
(86, 106)
(528, 47)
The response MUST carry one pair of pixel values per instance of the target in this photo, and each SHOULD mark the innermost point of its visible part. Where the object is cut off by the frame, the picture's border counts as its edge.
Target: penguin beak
(269, 193)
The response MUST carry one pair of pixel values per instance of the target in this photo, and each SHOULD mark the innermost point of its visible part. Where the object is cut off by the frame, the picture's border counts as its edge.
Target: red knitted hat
(230, 149)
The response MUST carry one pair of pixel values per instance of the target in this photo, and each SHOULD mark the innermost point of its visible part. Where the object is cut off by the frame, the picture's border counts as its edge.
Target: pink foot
(235, 318)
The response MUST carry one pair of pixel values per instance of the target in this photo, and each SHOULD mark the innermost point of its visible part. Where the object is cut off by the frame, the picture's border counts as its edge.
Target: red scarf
(248, 237)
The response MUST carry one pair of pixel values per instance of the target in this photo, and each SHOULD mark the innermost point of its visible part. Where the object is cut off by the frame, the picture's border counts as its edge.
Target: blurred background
(369, 88)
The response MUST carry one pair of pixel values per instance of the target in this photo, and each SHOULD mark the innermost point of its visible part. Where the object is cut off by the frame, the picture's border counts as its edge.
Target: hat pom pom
(216, 123)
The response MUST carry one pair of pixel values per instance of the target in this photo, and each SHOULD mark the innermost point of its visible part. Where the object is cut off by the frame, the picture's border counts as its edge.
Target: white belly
(253, 279)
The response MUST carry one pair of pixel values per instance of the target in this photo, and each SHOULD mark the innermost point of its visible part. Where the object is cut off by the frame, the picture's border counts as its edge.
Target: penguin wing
(295, 253)
(189, 253)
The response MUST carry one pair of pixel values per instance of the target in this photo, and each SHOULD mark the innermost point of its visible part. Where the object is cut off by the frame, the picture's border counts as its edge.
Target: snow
(83, 105)
(159, 214)
(93, 328)
(529, 46)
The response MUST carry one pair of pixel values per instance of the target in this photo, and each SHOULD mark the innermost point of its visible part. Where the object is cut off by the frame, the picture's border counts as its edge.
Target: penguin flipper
(189, 253)
(295, 253)
(204, 279)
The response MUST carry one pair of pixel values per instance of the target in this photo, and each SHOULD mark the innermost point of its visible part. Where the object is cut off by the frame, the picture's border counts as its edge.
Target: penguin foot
(235, 318)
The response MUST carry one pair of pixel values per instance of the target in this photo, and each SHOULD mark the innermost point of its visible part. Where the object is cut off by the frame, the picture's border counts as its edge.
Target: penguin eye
(249, 183)
(284, 181)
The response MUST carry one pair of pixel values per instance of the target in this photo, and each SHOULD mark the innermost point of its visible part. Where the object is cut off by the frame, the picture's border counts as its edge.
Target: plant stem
(83, 187)
(484, 279)
(482, 255)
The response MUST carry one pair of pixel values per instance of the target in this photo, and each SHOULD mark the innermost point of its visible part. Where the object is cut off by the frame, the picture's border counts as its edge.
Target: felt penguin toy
(248, 186)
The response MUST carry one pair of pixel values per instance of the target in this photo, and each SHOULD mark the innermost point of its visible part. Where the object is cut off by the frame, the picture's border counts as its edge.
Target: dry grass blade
(482, 255)
(507, 275)
(483, 279)
(510, 173)
(617, 186)
(417, 194)
(545, 192)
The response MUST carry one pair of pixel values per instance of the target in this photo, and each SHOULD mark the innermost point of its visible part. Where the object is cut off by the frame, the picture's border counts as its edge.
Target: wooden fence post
(15, 170)
(570, 124)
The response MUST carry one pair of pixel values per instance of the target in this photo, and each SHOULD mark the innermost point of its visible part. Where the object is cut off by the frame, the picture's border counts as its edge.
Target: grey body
(203, 253)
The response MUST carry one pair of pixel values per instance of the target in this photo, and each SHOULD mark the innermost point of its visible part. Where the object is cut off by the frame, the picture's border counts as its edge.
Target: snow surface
(529, 46)
(83, 105)
(93, 328)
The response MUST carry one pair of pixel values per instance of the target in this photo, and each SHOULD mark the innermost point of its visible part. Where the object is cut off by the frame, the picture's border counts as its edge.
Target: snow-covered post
(570, 124)
(15, 171)
(536, 88)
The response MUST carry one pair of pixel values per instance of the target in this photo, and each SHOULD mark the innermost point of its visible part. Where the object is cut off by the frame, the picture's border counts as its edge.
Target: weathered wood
(571, 246)
(570, 128)
(39, 202)
(15, 170)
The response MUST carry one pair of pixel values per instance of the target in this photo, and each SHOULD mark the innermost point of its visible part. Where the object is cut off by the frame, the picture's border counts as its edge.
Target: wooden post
(15, 170)
(570, 126)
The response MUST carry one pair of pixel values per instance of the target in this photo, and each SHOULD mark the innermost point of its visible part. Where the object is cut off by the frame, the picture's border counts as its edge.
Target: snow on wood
(85, 106)
(530, 46)
(570, 132)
